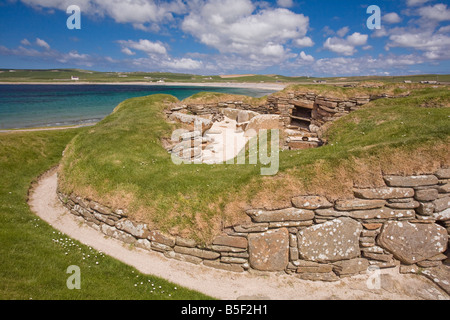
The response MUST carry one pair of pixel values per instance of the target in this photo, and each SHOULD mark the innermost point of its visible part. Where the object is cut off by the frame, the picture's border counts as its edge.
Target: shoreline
(240, 85)
(259, 86)
(53, 128)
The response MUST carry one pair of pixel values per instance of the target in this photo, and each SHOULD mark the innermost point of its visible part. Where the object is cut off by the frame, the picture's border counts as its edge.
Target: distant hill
(79, 75)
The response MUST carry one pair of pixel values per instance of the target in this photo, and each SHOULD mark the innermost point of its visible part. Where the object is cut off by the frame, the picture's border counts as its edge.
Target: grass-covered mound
(121, 163)
(362, 89)
(216, 97)
(35, 257)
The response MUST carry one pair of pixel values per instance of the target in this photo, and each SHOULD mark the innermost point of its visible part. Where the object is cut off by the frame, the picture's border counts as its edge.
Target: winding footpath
(222, 284)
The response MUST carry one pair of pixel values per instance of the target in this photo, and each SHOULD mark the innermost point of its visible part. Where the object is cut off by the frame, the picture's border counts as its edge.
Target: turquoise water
(25, 106)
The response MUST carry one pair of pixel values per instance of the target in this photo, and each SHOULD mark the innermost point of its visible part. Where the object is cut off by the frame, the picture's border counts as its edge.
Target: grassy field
(64, 76)
(35, 257)
(122, 163)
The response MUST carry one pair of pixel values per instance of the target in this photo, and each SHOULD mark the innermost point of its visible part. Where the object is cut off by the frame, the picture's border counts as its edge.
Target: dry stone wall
(406, 222)
(301, 114)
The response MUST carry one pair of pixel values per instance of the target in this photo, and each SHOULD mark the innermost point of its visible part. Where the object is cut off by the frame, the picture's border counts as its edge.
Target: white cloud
(128, 52)
(70, 58)
(349, 66)
(285, 3)
(144, 45)
(347, 46)
(183, 64)
(391, 18)
(343, 31)
(414, 3)
(25, 42)
(444, 29)
(142, 14)
(434, 45)
(306, 57)
(379, 33)
(357, 39)
(237, 27)
(438, 12)
(304, 42)
(41, 43)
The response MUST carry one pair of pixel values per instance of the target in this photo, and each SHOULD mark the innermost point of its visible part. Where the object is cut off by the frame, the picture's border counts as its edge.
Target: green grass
(35, 257)
(121, 163)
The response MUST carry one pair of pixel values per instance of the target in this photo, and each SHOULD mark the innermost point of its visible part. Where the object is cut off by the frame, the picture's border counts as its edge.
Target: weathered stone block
(318, 268)
(372, 226)
(444, 188)
(269, 251)
(403, 205)
(99, 208)
(203, 254)
(293, 253)
(409, 269)
(384, 193)
(350, 267)
(138, 230)
(331, 213)
(412, 243)
(411, 181)
(290, 224)
(251, 228)
(303, 103)
(117, 234)
(369, 233)
(358, 204)
(243, 254)
(104, 218)
(327, 104)
(367, 240)
(331, 241)
(234, 260)
(311, 202)
(143, 244)
(426, 209)
(442, 204)
(443, 174)
(182, 257)
(426, 195)
(429, 264)
(383, 213)
(374, 249)
(442, 216)
(182, 242)
(290, 214)
(156, 236)
(377, 256)
(293, 240)
(226, 249)
(263, 122)
(236, 242)
(160, 247)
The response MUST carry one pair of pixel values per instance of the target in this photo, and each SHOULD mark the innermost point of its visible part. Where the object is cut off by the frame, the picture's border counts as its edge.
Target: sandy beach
(262, 86)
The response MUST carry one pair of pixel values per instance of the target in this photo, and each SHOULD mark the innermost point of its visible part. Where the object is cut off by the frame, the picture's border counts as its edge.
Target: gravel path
(222, 284)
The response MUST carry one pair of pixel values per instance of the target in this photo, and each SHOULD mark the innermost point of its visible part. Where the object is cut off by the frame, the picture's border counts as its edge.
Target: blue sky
(289, 37)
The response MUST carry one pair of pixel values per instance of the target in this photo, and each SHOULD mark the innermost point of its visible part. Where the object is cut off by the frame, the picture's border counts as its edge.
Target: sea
(31, 106)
